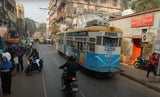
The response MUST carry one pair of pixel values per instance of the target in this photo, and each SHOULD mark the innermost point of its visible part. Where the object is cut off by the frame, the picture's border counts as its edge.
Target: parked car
(48, 40)
(41, 40)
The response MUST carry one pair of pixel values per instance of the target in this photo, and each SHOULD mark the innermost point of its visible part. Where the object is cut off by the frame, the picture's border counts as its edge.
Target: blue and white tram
(96, 48)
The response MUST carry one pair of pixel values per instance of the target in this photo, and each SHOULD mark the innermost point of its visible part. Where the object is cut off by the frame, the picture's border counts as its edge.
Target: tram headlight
(109, 59)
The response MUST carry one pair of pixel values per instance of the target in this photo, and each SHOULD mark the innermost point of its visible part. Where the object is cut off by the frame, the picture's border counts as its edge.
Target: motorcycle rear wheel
(28, 71)
(40, 68)
(73, 94)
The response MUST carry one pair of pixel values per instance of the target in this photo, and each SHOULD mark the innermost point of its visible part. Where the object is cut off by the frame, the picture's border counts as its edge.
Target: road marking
(82, 93)
(44, 85)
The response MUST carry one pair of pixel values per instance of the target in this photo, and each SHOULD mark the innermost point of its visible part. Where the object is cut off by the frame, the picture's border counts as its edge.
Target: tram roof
(94, 28)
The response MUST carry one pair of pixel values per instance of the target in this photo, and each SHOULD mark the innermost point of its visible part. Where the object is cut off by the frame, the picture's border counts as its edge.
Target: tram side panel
(101, 59)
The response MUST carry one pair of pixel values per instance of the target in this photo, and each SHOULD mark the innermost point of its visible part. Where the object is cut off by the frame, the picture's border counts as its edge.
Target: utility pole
(88, 5)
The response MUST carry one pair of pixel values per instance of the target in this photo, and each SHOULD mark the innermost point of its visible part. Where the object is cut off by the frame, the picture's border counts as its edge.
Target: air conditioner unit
(145, 37)
(97, 23)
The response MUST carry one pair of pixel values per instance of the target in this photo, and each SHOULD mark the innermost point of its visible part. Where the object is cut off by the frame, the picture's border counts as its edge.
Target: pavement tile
(140, 76)
(23, 86)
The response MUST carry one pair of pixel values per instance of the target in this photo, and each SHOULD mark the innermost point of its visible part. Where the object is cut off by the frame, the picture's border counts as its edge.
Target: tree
(125, 4)
(41, 28)
(30, 26)
(148, 49)
(125, 47)
(54, 29)
(143, 5)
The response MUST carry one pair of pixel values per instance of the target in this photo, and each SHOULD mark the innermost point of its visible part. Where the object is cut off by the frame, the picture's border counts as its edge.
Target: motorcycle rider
(71, 68)
(35, 55)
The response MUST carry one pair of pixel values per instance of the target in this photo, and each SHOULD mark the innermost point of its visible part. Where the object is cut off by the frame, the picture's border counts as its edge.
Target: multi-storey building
(8, 16)
(20, 19)
(63, 12)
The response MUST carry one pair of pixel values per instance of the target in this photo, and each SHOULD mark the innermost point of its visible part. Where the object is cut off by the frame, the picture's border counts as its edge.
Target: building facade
(139, 29)
(62, 12)
(8, 17)
(20, 20)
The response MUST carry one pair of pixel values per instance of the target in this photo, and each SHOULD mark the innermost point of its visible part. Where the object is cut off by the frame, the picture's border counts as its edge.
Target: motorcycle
(72, 87)
(141, 63)
(33, 66)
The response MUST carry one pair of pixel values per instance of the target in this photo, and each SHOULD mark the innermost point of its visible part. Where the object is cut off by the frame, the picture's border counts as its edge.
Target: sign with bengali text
(142, 20)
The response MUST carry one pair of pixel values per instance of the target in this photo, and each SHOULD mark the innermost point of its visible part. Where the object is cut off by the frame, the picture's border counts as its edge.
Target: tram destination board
(111, 34)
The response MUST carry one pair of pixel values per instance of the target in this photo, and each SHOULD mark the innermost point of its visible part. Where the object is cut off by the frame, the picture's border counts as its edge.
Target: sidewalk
(23, 86)
(140, 76)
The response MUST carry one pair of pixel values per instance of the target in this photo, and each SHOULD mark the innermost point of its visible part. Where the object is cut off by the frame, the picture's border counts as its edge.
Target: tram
(97, 48)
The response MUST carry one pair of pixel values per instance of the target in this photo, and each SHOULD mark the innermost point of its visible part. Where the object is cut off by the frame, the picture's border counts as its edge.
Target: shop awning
(12, 40)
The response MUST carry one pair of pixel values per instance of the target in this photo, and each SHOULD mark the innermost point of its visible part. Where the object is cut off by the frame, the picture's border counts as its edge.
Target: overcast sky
(32, 10)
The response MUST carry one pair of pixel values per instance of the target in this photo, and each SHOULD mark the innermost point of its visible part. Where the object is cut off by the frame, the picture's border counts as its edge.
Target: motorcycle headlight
(28, 62)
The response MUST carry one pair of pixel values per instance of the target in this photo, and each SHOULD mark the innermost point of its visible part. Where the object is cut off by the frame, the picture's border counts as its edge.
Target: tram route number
(110, 49)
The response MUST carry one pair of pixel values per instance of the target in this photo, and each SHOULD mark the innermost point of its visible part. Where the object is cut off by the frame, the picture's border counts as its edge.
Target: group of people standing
(7, 65)
(153, 66)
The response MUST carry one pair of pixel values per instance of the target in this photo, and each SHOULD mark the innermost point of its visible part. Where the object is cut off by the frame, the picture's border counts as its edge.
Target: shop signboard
(142, 20)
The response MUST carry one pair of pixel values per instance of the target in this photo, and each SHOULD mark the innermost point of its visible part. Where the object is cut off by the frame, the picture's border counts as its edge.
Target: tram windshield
(110, 42)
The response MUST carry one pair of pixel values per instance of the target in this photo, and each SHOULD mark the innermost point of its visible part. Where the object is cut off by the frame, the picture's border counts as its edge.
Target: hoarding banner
(143, 20)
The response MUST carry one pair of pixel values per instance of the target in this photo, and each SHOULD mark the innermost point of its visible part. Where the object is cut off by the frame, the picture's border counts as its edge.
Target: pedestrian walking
(5, 67)
(157, 61)
(20, 54)
(12, 54)
(152, 65)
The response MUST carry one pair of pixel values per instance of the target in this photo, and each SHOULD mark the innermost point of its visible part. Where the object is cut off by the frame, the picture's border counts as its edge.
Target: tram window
(99, 40)
(110, 42)
(91, 47)
(76, 43)
(120, 40)
(85, 39)
(92, 39)
(84, 46)
(81, 45)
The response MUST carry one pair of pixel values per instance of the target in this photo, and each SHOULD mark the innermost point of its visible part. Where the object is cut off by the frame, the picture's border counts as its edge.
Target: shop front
(139, 29)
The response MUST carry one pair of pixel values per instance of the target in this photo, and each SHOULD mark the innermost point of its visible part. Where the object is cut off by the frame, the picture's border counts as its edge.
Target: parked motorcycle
(33, 66)
(141, 63)
(71, 88)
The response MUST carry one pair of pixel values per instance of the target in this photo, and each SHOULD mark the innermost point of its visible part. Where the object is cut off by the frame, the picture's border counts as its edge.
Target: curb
(141, 82)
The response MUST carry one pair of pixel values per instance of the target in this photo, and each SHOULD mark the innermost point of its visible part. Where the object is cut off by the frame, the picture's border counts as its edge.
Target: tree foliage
(125, 47)
(54, 29)
(41, 28)
(148, 49)
(30, 26)
(125, 4)
(143, 5)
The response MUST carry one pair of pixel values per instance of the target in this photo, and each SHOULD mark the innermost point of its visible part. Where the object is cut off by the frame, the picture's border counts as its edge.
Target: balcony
(60, 15)
(61, 2)
(13, 29)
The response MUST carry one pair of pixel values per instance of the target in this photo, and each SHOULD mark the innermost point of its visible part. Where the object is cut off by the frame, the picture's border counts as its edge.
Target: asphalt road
(89, 86)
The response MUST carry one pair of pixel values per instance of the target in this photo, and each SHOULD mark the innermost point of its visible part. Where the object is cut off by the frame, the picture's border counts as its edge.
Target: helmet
(34, 49)
(72, 58)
